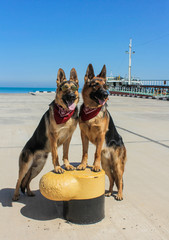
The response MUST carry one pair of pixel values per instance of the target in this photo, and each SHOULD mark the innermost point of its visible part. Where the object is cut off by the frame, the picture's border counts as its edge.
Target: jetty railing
(153, 91)
(155, 82)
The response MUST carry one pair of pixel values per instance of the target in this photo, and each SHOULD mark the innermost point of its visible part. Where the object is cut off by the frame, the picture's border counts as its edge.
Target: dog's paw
(119, 197)
(69, 167)
(108, 194)
(15, 197)
(59, 170)
(31, 194)
(96, 168)
(81, 167)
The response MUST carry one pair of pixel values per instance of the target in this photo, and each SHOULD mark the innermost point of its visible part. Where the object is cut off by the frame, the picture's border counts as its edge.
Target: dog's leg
(38, 164)
(29, 192)
(55, 158)
(119, 157)
(99, 144)
(25, 180)
(26, 160)
(66, 145)
(106, 165)
(119, 182)
(111, 184)
(85, 145)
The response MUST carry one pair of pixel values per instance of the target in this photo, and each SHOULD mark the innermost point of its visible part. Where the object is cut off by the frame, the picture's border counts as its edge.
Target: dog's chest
(64, 131)
(92, 129)
(95, 127)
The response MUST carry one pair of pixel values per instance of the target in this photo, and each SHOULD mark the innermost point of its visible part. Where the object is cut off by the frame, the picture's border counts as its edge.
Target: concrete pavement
(144, 212)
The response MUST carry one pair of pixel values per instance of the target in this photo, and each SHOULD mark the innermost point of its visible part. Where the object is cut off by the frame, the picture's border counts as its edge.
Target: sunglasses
(65, 87)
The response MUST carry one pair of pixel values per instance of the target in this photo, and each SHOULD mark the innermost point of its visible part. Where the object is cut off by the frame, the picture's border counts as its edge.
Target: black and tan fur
(49, 135)
(100, 130)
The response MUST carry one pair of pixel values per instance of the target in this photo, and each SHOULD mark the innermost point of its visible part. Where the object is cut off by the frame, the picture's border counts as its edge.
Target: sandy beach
(144, 212)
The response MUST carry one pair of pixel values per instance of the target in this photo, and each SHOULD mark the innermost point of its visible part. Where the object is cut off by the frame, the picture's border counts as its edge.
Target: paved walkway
(144, 212)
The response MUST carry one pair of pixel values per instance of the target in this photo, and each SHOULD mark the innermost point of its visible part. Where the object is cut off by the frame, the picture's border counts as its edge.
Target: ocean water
(26, 90)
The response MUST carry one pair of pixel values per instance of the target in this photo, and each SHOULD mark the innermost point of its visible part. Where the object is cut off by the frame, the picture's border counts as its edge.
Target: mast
(130, 45)
(130, 52)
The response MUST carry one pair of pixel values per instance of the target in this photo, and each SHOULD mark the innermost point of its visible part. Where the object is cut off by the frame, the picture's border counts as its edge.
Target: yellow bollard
(81, 191)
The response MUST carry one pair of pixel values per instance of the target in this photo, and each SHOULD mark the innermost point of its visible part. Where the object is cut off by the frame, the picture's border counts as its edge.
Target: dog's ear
(60, 76)
(73, 76)
(89, 73)
(103, 72)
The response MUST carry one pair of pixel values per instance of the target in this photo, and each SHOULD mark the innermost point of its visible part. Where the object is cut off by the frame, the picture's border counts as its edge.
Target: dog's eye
(65, 88)
(96, 85)
(73, 88)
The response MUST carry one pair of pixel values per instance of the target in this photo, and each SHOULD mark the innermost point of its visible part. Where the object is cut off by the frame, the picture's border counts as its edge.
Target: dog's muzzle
(102, 94)
(69, 100)
(69, 97)
(99, 96)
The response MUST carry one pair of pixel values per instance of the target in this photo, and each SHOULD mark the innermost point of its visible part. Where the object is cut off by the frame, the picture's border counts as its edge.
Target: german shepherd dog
(55, 128)
(97, 126)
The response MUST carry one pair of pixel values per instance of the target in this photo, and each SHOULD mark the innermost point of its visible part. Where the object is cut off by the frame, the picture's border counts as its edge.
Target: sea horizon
(27, 89)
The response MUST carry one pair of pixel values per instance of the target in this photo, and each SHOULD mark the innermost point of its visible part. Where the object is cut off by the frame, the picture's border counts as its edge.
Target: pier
(147, 89)
(143, 214)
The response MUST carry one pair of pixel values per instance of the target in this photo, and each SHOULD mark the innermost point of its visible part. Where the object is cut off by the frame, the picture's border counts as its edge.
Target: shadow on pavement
(37, 208)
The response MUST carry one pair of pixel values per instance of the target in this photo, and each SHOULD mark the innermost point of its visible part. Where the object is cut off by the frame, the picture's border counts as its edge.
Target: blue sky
(38, 36)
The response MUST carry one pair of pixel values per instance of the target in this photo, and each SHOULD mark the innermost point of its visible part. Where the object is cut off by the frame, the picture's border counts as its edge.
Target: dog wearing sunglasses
(55, 129)
(97, 126)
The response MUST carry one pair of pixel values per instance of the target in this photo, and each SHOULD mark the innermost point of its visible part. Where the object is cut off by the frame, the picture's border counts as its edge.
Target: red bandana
(88, 113)
(62, 115)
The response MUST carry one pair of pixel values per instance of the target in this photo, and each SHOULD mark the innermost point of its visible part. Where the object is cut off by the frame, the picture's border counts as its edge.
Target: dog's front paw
(81, 166)
(59, 170)
(96, 168)
(69, 167)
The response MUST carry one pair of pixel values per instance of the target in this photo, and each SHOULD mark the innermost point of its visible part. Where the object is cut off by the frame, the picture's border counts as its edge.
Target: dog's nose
(71, 97)
(104, 94)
